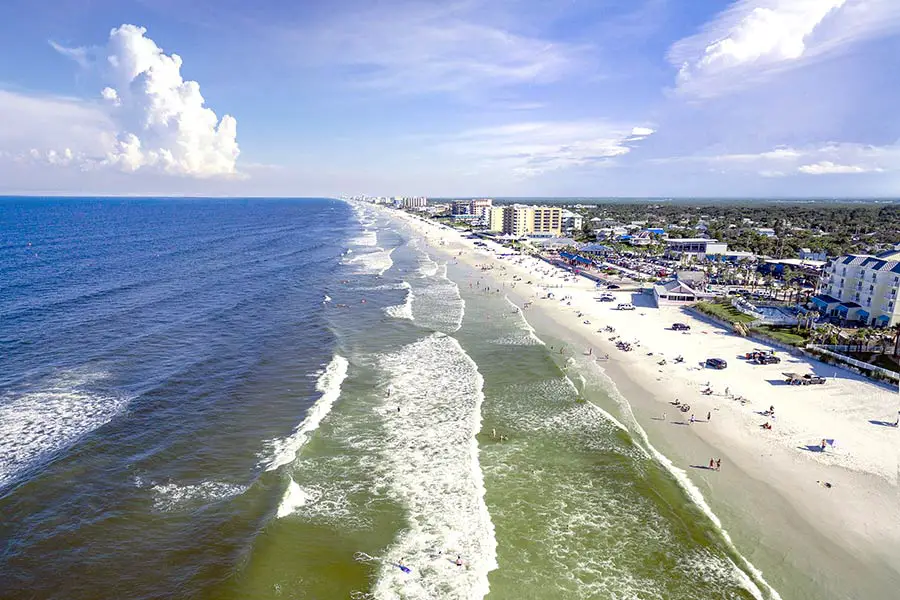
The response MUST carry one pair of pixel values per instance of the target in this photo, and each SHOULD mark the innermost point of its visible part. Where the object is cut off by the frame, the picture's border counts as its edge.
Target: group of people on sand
(715, 464)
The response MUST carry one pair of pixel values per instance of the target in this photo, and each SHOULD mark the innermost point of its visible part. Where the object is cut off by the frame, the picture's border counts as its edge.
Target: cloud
(53, 122)
(756, 38)
(827, 167)
(826, 159)
(426, 49)
(147, 119)
(163, 121)
(534, 148)
(79, 55)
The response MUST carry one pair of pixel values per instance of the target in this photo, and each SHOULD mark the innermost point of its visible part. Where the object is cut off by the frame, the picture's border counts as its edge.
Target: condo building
(519, 220)
(862, 288)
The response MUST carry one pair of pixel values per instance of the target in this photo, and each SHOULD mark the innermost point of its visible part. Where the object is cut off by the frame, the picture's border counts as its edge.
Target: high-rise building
(411, 201)
(520, 220)
(547, 220)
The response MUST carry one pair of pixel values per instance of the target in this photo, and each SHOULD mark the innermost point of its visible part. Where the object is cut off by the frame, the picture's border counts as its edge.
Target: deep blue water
(147, 347)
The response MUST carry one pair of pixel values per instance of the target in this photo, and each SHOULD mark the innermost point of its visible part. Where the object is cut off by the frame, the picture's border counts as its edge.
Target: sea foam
(172, 496)
(373, 263)
(283, 451)
(430, 459)
(53, 415)
(402, 311)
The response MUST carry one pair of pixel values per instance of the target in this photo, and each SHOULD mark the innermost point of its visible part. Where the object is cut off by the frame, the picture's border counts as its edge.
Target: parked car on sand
(716, 363)
(681, 327)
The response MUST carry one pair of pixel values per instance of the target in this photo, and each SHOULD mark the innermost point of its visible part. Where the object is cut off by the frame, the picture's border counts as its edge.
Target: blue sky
(467, 97)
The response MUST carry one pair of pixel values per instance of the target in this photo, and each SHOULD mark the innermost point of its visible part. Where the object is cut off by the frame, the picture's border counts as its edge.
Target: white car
(626, 306)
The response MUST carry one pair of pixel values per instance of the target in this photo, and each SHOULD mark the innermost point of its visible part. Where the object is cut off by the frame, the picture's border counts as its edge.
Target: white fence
(827, 351)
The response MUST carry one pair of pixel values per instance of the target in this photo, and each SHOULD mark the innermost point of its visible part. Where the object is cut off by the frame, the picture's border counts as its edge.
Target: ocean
(299, 399)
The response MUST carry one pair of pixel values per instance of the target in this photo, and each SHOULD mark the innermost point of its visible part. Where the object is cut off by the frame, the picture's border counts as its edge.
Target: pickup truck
(808, 379)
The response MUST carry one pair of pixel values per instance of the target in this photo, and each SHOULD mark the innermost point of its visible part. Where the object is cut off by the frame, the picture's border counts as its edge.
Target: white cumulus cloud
(148, 118)
(163, 121)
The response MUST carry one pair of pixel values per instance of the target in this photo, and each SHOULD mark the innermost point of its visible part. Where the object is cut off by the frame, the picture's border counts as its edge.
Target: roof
(827, 299)
(886, 261)
(594, 248)
(797, 262)
(851, 305)
(691, 240)
(673, 286)
(576, 258)
(889, 255)
(559, 241)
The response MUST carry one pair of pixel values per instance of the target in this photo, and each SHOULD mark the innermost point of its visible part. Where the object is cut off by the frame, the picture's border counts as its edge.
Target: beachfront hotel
(520, 220)
(862, 288)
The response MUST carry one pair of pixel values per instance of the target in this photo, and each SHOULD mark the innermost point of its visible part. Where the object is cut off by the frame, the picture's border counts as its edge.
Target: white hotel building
(862, 288)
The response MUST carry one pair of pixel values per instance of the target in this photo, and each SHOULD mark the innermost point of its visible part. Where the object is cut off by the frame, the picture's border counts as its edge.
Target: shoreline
(805, 539)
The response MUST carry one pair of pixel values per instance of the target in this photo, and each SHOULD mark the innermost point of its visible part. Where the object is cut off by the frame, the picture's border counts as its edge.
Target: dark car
(680, 327)
(716, 363)
(612, 286)
(767, 359)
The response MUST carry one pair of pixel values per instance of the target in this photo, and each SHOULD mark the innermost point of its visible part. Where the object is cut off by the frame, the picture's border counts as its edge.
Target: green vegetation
(837, 228)
(786, 335)
(723, 310)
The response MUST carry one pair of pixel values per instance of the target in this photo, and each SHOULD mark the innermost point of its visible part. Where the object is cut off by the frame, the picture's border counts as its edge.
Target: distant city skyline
(469, 98)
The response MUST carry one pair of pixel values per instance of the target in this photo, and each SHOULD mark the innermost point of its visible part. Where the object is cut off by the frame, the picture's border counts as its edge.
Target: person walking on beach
(718, 464)
(708, 417)
(712, 464)
(692, 418)
(727, 392)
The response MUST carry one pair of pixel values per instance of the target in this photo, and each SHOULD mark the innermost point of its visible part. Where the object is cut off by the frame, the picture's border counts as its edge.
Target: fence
(827, 351)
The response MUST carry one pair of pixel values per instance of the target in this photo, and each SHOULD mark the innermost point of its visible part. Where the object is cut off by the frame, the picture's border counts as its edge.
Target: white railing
(826, 350)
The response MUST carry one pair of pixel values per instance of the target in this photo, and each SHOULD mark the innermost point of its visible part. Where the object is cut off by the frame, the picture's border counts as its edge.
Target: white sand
(859, 514)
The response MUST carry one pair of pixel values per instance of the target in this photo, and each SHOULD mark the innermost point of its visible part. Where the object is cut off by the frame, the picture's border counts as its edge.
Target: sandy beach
(830, 515)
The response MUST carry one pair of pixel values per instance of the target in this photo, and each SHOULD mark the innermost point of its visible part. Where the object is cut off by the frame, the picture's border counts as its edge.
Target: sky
(663, 98)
